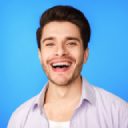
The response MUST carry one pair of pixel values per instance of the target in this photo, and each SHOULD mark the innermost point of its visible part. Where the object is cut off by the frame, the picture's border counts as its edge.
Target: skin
(61, 43)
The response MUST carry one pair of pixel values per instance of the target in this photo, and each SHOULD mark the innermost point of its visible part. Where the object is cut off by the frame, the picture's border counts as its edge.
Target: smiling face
(62, 54)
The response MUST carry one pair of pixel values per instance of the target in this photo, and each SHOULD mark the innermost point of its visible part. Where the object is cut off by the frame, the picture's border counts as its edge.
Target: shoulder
(112, 107)
(109, 100)
(107, 96)
(25, 106)
(20, 114)
(100, 95)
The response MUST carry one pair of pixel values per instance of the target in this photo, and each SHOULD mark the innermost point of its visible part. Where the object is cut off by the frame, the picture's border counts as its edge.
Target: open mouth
(61, 66)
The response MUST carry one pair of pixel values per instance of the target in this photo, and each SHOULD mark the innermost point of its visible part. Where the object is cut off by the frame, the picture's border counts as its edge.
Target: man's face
(62, 54)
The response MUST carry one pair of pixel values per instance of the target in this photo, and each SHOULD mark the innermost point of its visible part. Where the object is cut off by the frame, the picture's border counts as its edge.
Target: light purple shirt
(97, 109)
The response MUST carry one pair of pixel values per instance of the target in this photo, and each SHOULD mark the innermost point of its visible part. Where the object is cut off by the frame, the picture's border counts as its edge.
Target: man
(68, 100)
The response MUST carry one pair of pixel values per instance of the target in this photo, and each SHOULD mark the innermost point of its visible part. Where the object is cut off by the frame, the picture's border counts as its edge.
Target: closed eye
(49, 44)
(72, 43)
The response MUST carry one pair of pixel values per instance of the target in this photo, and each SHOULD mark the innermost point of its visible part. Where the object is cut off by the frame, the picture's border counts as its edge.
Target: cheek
(80, 58)
(78, 54)
(45, 57)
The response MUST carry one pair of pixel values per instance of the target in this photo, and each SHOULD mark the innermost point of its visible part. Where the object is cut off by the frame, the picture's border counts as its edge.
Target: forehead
(60, 29)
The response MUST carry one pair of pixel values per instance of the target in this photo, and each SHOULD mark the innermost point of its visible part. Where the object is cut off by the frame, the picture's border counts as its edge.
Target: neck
(65, 93)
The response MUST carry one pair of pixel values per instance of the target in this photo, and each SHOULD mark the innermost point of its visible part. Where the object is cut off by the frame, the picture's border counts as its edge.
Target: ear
(86, 53)
(39, 54)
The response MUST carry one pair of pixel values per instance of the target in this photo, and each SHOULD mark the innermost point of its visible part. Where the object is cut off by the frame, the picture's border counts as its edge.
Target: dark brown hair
(65, 13)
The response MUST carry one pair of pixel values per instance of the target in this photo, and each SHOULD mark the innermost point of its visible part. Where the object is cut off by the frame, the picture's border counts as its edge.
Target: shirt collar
(40, 98)
(88, 94)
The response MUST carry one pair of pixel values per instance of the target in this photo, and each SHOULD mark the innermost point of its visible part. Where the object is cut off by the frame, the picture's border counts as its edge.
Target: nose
(61, 50)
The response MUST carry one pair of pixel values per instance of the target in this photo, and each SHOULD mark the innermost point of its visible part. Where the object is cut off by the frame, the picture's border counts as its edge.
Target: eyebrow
(72, 38)
(48, 38)
(67, 38)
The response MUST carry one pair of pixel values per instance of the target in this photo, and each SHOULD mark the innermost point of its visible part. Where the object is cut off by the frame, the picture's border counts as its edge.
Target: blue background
(21, 75)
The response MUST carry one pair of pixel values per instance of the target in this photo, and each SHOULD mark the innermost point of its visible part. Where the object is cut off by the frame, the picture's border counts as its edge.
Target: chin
(61, 82)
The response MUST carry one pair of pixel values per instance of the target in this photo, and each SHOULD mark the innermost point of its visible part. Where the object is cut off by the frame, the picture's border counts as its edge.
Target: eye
(72, 43)
(49, 44)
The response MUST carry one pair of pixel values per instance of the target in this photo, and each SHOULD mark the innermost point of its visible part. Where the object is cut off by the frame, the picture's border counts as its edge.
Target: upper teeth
(60, 64)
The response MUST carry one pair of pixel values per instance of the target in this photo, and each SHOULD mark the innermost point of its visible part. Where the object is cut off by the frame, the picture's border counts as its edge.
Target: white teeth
(61, 64)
